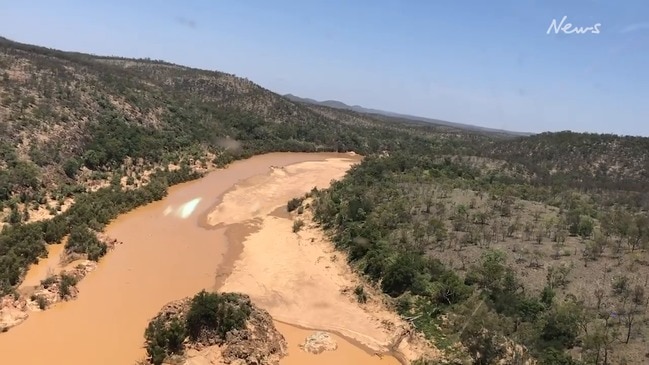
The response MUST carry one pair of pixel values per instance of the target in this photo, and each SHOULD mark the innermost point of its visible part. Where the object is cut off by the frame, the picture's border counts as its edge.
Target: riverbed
(170, 249)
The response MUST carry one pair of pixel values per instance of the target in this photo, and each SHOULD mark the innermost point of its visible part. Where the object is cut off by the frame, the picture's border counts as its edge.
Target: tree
(638, 234)
(598, 341)
(400, 276)
(585, 227)
(547, 296)
(492, 269)
(71, 166)
(451, 289)
(15, 216)
(561, 326)
(83, 240)
(572, 220)
(164, 339)
(216, 312)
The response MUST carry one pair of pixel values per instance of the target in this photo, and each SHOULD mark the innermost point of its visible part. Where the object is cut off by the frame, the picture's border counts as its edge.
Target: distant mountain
(359, 109)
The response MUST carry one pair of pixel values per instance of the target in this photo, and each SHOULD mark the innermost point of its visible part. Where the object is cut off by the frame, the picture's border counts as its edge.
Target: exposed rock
(14, 311)
(259, 343)
(318, 343)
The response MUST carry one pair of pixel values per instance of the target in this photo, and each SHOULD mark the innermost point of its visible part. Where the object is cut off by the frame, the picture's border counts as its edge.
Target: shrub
(297, 225)
(164, 339)
(294, 204)
(70, 167)
(360, 294)
(40, 300)
(47, 282)
(220, 313)
(83, 240)
(67, 281)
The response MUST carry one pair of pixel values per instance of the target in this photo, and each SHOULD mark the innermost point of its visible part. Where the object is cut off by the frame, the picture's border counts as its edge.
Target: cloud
(186, 22)
(635, 27)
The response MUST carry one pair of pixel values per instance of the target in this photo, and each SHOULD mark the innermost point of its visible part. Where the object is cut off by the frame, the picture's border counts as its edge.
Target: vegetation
(294, 204)
(297, 225)
(441, 236)
(23, 244)
(67, 281)
(82, 240)
(209, 315)
(540, 241)
(361, 296)
(41, 301)
(130, 118)
(164, 339)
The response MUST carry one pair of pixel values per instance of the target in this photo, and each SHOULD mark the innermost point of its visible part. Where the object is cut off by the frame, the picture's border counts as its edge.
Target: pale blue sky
(489, 63)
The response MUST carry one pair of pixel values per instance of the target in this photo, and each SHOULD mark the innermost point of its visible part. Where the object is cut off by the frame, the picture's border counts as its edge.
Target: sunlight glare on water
(188, 208)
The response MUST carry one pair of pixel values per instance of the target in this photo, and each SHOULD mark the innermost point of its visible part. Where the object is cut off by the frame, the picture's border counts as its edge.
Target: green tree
(562, 325)
(585, 227)
(71, 167)
(216, 312)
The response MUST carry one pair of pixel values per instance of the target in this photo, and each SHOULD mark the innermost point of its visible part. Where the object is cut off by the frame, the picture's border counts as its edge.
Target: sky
(487, 63)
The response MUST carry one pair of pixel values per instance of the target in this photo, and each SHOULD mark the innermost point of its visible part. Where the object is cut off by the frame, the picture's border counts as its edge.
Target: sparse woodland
(479, 257)
(516, 248)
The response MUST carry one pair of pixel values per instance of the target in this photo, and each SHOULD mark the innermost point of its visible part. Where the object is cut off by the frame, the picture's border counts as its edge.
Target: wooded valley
(496, 246)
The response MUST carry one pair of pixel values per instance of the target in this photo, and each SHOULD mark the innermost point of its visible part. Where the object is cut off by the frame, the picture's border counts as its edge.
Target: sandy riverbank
(298, 277)
(227, 231)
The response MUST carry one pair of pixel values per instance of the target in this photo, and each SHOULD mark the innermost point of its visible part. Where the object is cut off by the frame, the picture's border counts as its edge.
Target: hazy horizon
(492, 65)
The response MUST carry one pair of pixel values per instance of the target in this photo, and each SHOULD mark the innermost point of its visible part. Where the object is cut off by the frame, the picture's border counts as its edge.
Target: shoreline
(231, 238)
(236, 244)
(237, 235)
(21, 307)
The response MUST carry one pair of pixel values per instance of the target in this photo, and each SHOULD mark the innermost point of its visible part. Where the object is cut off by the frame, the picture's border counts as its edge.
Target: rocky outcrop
(12, 312)
(15, 309)
(318, 343)
(257, 343)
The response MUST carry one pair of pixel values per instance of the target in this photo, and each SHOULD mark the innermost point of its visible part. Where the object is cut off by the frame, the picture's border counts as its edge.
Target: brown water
(45, 267)
(166, 254)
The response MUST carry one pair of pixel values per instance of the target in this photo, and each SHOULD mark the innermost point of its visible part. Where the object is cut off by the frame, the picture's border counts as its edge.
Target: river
(168, 252)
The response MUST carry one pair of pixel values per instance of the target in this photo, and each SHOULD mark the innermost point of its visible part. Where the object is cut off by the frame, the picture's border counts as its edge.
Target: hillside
(582, 160)
(68, 119)
(86, 137)
(481, 259)
(487, 240)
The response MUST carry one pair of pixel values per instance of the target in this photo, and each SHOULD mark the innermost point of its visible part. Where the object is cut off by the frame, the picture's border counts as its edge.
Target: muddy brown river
(167, 253)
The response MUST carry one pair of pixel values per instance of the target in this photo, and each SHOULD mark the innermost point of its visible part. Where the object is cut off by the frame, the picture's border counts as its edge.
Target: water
(168, 253)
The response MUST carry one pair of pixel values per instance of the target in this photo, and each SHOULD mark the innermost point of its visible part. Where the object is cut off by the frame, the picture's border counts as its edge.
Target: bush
(67, 281)
(294, 204)
(40, 300)
(297, 225)
(48, 281)
(163, 339)
(83, 240)
(70, 167)
(360, 294)
(220, 313)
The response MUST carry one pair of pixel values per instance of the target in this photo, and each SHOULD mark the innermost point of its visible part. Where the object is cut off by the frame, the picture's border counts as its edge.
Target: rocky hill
(214, 328)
